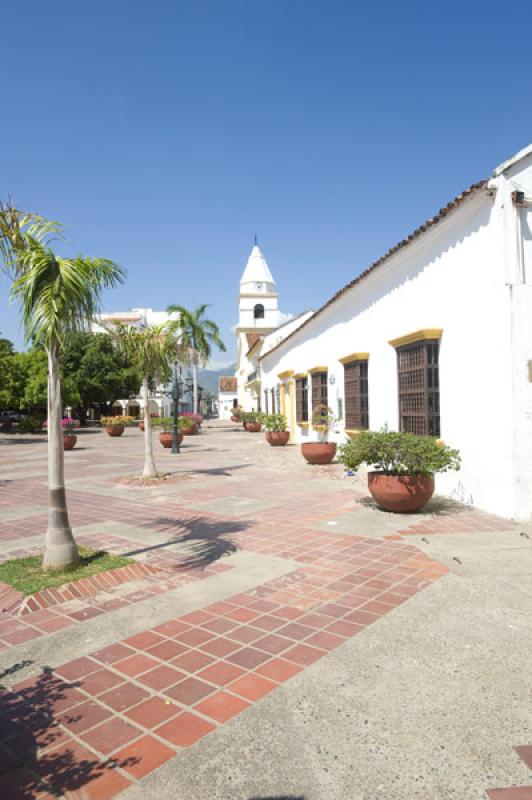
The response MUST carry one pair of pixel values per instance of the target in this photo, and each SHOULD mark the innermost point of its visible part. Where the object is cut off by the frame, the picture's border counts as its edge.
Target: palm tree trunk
(61, 551)
(195, 387)
(150, 470)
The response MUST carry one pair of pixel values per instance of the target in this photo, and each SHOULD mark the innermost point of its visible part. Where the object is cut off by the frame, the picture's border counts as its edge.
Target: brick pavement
(90, 727)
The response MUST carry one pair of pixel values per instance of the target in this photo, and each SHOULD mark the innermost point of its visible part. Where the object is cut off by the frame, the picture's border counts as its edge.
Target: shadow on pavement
(33, 746)
(206, 538)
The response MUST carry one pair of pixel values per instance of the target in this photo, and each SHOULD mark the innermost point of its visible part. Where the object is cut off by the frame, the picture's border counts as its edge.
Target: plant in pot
(251, 421)
(166, 436)
(115, 425)
(276, 433)
(192, 423)
(322, 451)
(401, 466)
(235, 414)
(69, 425)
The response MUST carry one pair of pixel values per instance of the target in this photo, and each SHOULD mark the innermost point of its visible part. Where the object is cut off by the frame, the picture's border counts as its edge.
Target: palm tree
(58, 297)
(197, 335)
(152, 350)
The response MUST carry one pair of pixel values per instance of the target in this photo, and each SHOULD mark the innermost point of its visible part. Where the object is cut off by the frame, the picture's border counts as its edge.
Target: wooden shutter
(302, 400)
(356, 395)
(319, 390)
(419, 388)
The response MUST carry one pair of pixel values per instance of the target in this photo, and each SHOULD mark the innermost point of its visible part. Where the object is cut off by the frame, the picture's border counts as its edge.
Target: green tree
(58, 297)
(7, 355)
(152, 350)
(30, 384)
(96, 371)
(197, 336)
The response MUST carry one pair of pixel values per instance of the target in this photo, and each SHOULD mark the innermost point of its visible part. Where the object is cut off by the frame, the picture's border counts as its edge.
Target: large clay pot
(319, 452)
(253, 427)
(191, 430)
(69, 441)
(401, 493)
(115, 430)
(276, 438)
(235, 419)
(166, 438)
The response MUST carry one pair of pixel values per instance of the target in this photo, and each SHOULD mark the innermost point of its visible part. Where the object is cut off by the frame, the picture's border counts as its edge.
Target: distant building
(160, 401)
(258, 328)
(227, 396)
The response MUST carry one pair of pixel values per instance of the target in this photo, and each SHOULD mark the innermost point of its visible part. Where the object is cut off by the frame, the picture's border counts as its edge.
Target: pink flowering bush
(67, 423)
(196, 417)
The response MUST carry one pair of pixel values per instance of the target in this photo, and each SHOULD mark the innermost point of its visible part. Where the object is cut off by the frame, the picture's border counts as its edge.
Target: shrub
(399, 453)
(167, 423)
(250, 416)
(274, 422)
(31, 424)
(112, 422)
(323, 420)
(191, 415)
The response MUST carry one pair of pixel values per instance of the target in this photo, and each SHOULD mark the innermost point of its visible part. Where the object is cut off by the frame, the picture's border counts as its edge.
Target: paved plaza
(277, 637)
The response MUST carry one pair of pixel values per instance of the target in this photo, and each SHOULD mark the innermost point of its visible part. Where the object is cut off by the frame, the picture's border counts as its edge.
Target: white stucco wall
(457, 276)
(225, 404)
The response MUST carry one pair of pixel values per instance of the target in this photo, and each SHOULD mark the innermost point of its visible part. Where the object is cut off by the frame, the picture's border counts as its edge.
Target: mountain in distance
(208, 378)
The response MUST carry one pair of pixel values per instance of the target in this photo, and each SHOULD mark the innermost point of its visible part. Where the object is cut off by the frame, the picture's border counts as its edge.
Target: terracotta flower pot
(141, 425)
(235, 419)
(69, 441)
(253, 427)
(319, 452)
(166, 438)
(400, 493)
(276, 438)
(115, 430)
(191, 430)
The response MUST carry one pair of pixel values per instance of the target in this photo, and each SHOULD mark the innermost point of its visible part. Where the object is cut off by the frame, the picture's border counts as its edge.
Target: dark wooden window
(419, 388)
(356, 395)
(273, 400)
(302, 399)
(278, 398)
(258, 311)
(319, 390)
(266, 401)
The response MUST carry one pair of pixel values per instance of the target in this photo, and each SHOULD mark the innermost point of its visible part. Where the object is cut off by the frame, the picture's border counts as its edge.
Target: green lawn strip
(28, 576)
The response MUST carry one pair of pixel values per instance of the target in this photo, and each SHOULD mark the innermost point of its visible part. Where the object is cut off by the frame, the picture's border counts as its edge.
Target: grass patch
(28, 576)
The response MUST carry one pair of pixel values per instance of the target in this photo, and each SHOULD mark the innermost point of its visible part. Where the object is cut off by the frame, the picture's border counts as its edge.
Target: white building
(435, 337)
(160, 400)
(227, 396)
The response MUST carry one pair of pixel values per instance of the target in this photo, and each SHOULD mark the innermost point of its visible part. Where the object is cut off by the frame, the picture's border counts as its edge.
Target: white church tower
(258, 315)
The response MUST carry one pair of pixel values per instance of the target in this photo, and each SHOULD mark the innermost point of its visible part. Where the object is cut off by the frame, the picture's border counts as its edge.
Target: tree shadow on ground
(279, 797)
(17, 440)
(220, 471)
(439, 506)
(36, 752)
(206, 539)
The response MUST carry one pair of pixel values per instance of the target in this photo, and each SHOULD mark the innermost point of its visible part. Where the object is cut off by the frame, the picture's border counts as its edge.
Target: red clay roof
(252, 338)
(227, 384)
(443, 212)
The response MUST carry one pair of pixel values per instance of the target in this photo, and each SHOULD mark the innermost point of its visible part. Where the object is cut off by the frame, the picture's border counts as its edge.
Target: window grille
(319, 390)
(266, 401)
(273, 401)
(419, 388)
(278, 398)
(356, 395)
(302, 400)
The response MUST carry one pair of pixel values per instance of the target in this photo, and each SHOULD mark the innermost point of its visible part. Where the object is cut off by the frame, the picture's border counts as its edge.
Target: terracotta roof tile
(227, 384)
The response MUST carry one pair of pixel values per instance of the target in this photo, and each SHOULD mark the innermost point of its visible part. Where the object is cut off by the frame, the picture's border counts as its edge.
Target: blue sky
(166, 134)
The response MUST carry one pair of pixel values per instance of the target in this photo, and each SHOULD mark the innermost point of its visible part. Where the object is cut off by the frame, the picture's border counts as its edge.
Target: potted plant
(192, 423)
(235, 414)
(251, 421)
(115, 425)
(69, 437)
(276, 433)
(402, 466)
(166, 436)
(322, 451)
